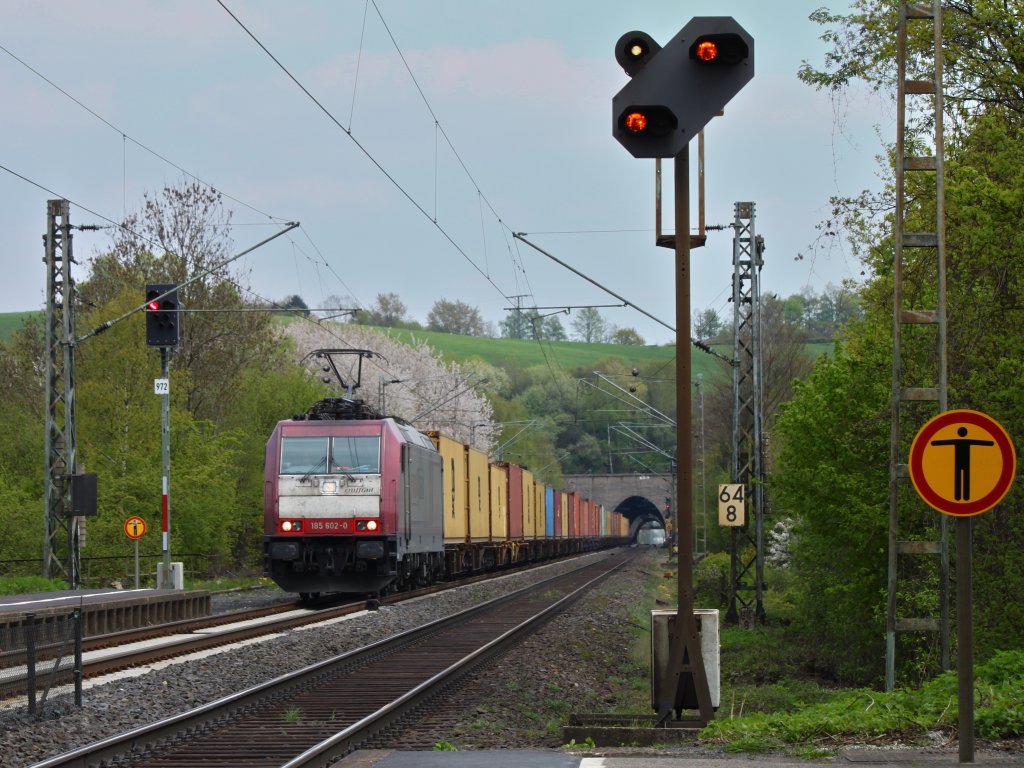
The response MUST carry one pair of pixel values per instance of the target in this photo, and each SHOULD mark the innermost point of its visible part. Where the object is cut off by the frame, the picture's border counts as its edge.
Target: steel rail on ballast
(145, 741)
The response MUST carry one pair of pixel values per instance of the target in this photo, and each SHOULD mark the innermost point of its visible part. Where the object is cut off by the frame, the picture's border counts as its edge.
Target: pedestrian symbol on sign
(135, 527)
(962, 462)
(972, 477)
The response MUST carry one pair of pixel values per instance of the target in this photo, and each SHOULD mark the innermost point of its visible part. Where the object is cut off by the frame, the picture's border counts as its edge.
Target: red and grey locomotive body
(352, 502)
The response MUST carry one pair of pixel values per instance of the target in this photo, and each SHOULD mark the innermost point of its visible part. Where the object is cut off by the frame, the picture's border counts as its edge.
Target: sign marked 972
(732, 509)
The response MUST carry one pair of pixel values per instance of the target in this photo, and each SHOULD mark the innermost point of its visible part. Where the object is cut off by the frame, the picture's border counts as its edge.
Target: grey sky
(522, 91)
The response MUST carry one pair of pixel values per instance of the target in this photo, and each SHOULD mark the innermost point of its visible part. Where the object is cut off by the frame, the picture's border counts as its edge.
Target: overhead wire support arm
(342, 311)
(631, 433)
(625, 302)
(564, 309)
(110, 323)
(447, 400)
(499, 451)
(633, 401)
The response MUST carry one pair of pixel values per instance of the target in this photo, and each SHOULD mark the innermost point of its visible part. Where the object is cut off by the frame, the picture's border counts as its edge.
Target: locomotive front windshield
(328, 455)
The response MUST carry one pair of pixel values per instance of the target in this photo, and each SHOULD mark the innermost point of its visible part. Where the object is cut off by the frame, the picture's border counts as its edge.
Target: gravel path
(567, 671)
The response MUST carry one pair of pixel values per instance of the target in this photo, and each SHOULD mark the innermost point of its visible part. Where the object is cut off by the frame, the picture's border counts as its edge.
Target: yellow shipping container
(453, 475)
(478, 495)
(499, 503)
(563, 514)
(529, 506)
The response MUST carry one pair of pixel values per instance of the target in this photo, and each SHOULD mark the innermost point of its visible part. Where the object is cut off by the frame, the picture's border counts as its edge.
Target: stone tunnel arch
(637, 496)
(639, 510)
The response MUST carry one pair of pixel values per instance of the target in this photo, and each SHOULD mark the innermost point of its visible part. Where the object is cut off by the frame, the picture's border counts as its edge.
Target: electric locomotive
(352, 502)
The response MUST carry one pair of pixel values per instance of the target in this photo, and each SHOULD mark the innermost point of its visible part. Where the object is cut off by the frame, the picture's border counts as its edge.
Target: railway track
(318, 714)
(139, 647)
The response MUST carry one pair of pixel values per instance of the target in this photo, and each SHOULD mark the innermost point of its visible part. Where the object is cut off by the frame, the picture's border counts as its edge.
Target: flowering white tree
(410, 382)
(780, 542)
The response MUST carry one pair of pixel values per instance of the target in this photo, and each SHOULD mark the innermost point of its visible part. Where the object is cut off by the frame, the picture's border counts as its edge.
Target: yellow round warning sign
(134, 527)
(962, 463)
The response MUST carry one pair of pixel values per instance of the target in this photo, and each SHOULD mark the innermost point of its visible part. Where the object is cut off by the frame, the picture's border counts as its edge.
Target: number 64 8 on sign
(731, 505)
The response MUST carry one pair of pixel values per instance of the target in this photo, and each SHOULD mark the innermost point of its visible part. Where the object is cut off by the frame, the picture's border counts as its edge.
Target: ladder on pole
(919, 344)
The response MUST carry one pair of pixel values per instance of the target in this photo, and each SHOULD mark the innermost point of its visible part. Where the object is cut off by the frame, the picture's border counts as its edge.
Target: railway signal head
(635, 49)
(163, 328)
(675, 90)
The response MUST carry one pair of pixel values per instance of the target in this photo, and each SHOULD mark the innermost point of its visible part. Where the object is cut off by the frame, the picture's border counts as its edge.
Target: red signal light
(153, 306)
(635, 122)
(645, 121)
(706, 50)
(724, 49)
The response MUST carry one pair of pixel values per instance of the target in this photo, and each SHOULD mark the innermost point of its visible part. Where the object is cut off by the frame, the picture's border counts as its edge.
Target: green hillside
(523, 353)
(12, 321)
(566, 355)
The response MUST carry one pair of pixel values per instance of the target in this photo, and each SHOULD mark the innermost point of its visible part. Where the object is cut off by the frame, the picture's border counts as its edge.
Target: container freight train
(355, 502)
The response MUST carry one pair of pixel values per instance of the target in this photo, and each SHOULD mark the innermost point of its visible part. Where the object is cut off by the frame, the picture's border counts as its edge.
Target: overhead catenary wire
(483, 200)
(136, 142)
(272, 219)
(272, 306)
(626, 302)
(438, 128)
(106, 325)
(362, 148)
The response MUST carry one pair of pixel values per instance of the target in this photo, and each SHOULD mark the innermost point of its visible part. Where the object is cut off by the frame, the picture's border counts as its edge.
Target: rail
(341, 702)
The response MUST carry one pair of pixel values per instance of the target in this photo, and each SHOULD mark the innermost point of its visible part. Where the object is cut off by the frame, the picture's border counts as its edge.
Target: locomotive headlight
(291, 525)
(329, 486)
(286, 525)
(371, 525)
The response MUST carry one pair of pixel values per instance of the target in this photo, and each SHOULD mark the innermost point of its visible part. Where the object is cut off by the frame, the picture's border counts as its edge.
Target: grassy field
(12, 321)
(566, 355)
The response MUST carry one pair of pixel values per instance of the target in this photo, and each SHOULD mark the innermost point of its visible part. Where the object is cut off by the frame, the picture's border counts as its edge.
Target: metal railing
(41, 656)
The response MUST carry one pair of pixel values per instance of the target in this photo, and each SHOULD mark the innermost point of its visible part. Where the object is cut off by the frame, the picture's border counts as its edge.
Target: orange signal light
(635, 122)
(706, 50)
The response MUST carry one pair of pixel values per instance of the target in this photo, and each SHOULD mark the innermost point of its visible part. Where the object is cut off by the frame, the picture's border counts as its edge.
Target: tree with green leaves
(553, 329)
(589, 326)
(627, 336)
(295, 302)
(706, 324)
(834, 433)
(522, 324)
(984, 50)
(455, 317)
(179, 235)
(387, 311)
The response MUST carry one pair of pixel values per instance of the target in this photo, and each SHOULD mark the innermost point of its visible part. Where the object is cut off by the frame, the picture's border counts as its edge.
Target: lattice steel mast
(60, 442)
(747, 417)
